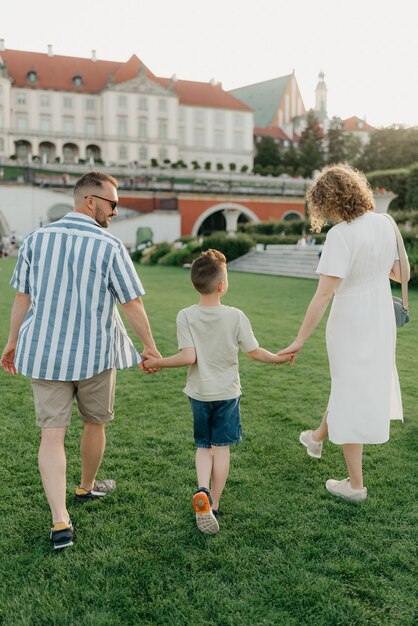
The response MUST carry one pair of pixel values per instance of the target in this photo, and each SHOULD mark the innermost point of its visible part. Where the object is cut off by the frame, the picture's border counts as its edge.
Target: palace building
(69, 110)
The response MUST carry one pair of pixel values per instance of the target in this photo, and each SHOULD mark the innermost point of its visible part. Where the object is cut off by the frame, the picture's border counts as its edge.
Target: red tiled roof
(57, 72)
(199, 94)
(271, 131)
(355, 123)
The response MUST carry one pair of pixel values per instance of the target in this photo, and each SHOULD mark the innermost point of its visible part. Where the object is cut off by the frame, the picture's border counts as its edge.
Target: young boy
(210, 336)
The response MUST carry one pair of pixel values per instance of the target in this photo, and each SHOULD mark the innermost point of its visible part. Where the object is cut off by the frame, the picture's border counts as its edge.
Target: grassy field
(288, 553)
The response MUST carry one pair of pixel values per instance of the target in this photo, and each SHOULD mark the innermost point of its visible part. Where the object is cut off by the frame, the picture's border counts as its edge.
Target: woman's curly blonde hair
(339, 194)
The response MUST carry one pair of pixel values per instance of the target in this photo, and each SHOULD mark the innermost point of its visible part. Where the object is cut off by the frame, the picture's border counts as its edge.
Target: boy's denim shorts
(216, 423)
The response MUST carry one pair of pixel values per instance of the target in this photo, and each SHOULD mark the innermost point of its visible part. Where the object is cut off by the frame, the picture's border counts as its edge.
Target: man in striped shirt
(66, 335)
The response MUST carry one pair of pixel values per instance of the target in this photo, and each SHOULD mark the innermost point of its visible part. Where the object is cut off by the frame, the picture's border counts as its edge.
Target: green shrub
(136, 256)
(151, 255)
(231, 247)
(411, 198)
(394, 180)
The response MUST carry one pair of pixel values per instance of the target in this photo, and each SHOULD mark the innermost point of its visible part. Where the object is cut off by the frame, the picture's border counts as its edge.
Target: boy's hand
(150, 364)
(282, 358)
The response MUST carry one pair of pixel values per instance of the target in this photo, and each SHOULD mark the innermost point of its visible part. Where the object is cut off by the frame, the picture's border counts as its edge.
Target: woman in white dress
(358, 258)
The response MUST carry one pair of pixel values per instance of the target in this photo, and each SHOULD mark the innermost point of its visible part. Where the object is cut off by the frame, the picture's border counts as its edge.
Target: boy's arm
(260, 354)
(186, 356)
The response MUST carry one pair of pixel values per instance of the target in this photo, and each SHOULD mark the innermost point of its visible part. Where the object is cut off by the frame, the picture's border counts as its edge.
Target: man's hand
(150, 354)
(7, 359)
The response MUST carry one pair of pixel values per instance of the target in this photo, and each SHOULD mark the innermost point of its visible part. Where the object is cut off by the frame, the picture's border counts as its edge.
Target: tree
(291, 160)
(389, 148)
(311, 151)
(336, 152)
(268, 152)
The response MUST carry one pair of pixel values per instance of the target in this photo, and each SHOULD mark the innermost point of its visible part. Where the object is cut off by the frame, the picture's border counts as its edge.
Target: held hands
(7, 359)
(149, 361)
(289, 353)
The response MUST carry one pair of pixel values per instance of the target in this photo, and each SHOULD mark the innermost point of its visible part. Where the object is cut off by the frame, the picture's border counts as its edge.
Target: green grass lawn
(288, 553)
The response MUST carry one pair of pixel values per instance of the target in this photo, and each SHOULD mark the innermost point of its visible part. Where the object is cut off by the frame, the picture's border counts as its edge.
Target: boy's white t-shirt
(217, 334)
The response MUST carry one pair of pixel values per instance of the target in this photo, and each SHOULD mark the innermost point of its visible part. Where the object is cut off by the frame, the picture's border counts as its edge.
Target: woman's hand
(292, 350)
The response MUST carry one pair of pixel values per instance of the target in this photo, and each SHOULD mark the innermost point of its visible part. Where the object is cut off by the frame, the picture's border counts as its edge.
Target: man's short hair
(94, 179)
(207, 271)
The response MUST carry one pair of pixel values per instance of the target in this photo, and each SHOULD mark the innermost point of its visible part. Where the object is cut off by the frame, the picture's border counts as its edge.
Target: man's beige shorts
(54, 399)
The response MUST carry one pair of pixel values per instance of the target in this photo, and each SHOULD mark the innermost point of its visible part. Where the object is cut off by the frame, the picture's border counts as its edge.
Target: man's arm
(137, 319)
(20, 307)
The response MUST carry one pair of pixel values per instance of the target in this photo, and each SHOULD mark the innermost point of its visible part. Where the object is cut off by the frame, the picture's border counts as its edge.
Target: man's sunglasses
(112, 203)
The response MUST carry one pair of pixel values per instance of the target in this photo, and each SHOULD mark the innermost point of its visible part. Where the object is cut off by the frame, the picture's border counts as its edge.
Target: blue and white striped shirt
(74, 271)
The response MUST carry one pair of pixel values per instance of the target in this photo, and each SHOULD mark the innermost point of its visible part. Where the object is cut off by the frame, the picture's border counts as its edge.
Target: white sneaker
(313, 447)
(343, 489)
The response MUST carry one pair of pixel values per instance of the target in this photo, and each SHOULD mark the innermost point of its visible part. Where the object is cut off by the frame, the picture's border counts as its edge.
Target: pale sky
(368, 49)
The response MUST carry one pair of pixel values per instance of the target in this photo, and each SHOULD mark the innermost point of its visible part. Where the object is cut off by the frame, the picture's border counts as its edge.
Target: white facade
(126, 123)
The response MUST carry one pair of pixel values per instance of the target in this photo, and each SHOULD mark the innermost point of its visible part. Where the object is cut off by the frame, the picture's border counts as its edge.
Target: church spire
(321, 95)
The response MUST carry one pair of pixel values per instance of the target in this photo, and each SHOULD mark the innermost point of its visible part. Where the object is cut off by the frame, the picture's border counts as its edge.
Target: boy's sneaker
(62, 535)
(100, 489)
(313, 447)
(343, 489)
(205, 519)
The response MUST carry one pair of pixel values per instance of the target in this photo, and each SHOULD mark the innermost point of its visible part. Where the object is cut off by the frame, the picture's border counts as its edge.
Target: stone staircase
(296, 261)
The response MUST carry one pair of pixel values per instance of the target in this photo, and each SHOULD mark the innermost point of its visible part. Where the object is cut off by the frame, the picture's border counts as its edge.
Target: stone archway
(4, 226)
(47, 152)
(231, 211)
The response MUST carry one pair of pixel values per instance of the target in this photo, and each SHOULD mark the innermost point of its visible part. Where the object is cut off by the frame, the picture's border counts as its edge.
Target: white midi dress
(361, 330)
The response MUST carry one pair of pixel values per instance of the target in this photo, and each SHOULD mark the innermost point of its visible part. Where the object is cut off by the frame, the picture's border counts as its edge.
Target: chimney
(93, 56)
(2, 48)
(50, 53)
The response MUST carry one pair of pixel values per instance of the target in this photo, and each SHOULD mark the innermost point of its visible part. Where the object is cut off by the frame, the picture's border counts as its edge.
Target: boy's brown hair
(207, 271)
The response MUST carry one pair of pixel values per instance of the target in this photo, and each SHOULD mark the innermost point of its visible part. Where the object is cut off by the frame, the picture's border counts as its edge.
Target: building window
(22, 122)
(123, 152)
(162, 129)
(143, 153)
(31, 76)
(162, 154)
(199, 116)
(67, 102)
(162, 105)
(122, 126)
(122, 101)
(77, 81)
(68, 125)
(1, 144)
(219, 118)
(21, 98)
(1, 117)
(90, 128)
(199, 138)
(182, 114)
(219, 140)
(142, 128)
(238, 120)
(143, 104)
(238, 141)
(45, 124)
(90, 104)
(44, 100)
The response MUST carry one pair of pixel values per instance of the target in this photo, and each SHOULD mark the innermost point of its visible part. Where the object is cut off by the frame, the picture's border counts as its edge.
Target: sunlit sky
(368, 49)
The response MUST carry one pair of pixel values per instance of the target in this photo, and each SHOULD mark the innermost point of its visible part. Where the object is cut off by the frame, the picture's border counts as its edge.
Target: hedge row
(402, 181)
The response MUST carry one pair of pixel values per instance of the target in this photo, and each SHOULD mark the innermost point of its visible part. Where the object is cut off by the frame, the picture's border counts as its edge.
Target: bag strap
(403, 261)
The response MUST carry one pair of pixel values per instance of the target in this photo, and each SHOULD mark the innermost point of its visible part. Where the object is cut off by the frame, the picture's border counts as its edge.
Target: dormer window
(77, 82)
(31, 76)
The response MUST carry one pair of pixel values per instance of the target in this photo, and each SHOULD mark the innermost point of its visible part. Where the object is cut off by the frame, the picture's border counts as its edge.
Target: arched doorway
(93, 152)
(226, 216)
(58, 211)
(70, 153)
(214, 222)
(23, 149)
(47, 152)
(292, 215)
